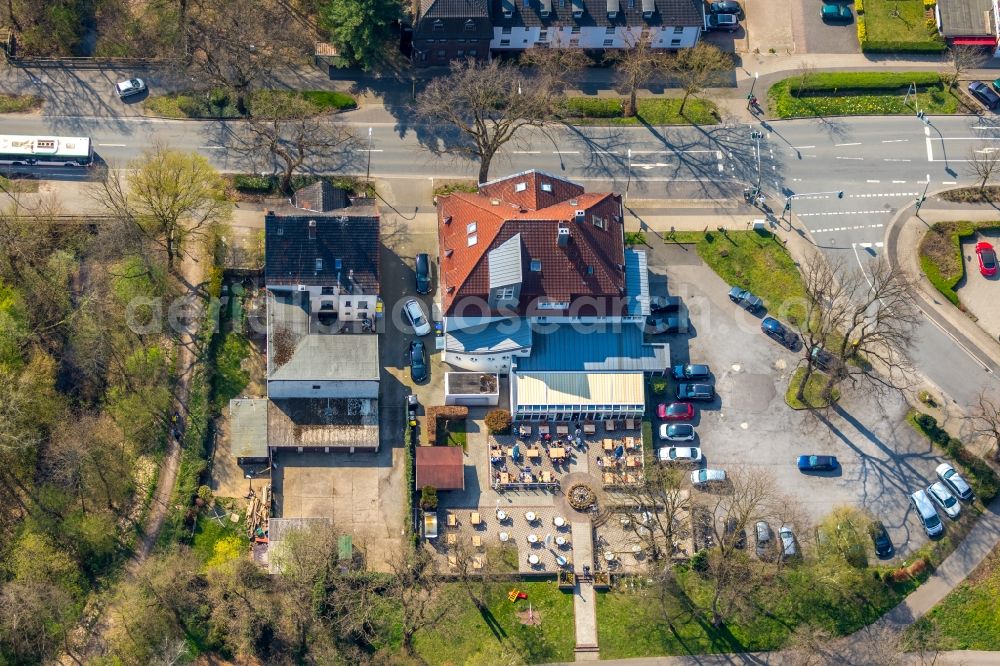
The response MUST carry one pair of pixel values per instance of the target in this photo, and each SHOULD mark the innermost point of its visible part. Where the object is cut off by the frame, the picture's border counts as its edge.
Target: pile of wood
(258, 512)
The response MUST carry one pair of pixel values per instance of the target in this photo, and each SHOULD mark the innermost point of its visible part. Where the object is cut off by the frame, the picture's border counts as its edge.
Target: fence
(8, 43)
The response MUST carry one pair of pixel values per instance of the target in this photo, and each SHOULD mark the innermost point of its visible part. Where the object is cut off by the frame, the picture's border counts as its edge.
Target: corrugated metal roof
(248, 427)
(636, 282)
(579, 347)
(580, 388)
(966, 18)
(504, 335)
(505, 263)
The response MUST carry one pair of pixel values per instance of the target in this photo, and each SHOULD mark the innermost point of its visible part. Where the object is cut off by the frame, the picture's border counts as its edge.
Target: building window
(520, 187)
(536, 265)
(438, 26)
(319, 264)
(470, 26)
(598, 221)
(631, 4)
(326, 291)
(609, 42)
(472, 240)
(543, 35)
(441, 53)
(504, 31)
(472, 52)
(610, 30)
(505, 294)
(504, 42)
(460, 41)
(459, 53)
(316, 387)
(347, 304)
(362, 305)
(546, 187)
(679, 30)
(470, 228)
(575, 30)
(675, 42)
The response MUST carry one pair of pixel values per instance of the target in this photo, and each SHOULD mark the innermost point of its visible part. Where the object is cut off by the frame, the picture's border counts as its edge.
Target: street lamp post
(752, 84)
(368, 170)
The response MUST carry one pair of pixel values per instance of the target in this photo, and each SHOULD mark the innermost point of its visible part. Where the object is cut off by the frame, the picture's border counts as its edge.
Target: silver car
(943, 498)
(955, 481)
(130, 87)
(679, 454)
(789, 548)
(418, 320)
(707, 477)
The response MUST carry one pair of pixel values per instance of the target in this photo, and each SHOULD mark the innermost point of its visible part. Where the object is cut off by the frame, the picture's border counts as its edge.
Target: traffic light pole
(923, 195)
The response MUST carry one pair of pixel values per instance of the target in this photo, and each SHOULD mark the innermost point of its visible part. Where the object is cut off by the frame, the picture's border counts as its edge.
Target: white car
(706, 477)
(677, 432)
(418, 320)
(679, 454)
(130, 87)
(954, 480)
(944, 499)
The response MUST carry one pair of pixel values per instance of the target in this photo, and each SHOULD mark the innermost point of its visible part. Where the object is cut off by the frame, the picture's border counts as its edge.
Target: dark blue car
(418, 362)
(817, 463)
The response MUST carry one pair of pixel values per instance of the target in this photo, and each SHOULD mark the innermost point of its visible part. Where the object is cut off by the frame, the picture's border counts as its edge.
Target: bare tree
(962, 59)
(636, 64)
(985, 419)
(289, 132)
(416, 587)
(489, 103)
(236, 49)
(170, 196)
(556, 65)
(983, 164)
(656, 507)
(702, 66)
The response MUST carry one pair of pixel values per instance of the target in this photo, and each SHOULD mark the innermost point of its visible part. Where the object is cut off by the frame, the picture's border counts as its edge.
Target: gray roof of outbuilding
(967, 18)
(668, 13)
(248, 427)
(608, 348)
(506, 335)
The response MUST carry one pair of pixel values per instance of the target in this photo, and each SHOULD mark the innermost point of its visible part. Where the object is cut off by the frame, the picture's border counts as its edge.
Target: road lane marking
(565, 152)
(927, 139)
(863, 226)
(802, 147)
(893, 159)
(122, 145)
(899, 182)
(894, 140)
(949, 182)
(366, 150)
(849, 158)
(873, 181)
(605, 152)
(856, 143)
(526, 152)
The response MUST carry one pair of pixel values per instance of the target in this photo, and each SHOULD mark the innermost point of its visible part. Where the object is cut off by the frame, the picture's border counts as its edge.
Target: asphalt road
(879, 163)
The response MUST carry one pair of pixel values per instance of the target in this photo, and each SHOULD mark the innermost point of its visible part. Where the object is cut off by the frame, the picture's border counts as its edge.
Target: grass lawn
(755, 260)
(651, 111)
(230, 378)
(218, 103)
(941, 254)
(909, 28)
(497, 635)
(967, 619)
(814, 391)
(452, 433)
(18, 185)
(19, 103)
(216, 542)
(861, 93)
(631, 623)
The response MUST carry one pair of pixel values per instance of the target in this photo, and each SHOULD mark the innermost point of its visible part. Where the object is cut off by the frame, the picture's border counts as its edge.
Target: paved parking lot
(749, 426)
(815, 36)
(978, 293)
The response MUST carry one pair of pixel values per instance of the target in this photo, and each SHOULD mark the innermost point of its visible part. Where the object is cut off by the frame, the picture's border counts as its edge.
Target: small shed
(442, 467)
(248, 429)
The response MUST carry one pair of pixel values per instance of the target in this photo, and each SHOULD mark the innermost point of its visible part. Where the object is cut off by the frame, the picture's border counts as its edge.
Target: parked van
(928, 514)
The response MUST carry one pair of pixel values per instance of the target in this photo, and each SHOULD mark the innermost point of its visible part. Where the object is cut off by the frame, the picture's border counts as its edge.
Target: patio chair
(609, 425)
(630, 424)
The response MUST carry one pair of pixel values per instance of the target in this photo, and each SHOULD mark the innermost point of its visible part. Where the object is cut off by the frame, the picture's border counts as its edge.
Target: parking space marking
(864, 226)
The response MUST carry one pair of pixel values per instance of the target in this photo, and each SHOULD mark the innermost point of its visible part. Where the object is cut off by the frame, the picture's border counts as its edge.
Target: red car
(987, 259)
(676, 411)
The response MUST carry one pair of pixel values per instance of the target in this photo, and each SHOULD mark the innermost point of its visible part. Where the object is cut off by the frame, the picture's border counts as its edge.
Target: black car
(745, 299)
(664, 303)
(692, 371)
(824, 360)
(726, 7)
(984, 94)
(422, 271)
(726, 22)
(883, 546)
(695, 392)
(735, 536)
(776, 330)
(671, 325)
(418, 361)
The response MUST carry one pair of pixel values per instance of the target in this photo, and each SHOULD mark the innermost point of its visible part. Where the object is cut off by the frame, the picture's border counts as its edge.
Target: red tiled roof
(590, 265)
(442, 467)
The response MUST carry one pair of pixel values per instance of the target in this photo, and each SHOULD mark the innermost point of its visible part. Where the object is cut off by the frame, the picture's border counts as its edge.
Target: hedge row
(945, 283)
(593, 107)
(847, 82)
(869, 46)
(446, 412)
(984, 481)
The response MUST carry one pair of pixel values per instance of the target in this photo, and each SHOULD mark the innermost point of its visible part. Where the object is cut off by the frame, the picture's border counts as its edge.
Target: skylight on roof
(536, 265)
(520, 187)
(546, 187)
(470, 228)
(473, 239)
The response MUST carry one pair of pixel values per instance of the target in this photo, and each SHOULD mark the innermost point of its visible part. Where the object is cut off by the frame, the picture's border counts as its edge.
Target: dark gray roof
(292, 251)
(451, 16)
(320, 197)
(593, 348)
(504, 335)
(334, 422)
(966, 18)
(630, 13)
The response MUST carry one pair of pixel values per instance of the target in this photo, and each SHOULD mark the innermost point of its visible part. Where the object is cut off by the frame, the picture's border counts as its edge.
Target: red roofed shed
(442, 467)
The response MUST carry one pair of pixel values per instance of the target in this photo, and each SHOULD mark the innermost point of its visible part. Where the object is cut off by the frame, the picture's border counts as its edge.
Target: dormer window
(520, 187)
(319, 265)
(470, 26)
(438, 25)
(536, 266)
(598, 221)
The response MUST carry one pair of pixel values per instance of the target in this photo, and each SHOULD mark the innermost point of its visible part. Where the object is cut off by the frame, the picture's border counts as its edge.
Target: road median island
(940, 254)
(864, 93)
(651, 111)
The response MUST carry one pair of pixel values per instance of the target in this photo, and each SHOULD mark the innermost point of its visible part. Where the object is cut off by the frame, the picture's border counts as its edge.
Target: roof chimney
(563, 236)
(312, 229)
